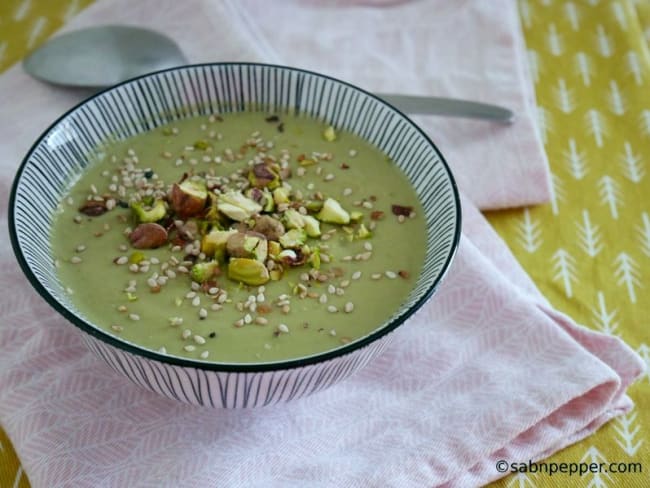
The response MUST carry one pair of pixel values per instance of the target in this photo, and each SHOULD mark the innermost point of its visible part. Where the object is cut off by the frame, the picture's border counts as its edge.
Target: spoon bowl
(98, 57)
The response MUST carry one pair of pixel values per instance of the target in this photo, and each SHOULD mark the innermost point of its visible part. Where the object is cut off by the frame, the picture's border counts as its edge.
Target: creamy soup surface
(240, 238)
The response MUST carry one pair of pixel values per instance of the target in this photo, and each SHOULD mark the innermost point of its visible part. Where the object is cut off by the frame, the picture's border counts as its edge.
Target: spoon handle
(449, 107)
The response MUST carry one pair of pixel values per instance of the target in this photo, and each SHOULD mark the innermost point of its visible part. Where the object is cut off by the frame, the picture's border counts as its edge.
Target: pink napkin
(487, 370)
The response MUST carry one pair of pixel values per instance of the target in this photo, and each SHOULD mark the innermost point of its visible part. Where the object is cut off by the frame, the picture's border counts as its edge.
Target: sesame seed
(345, 283)
(196, 301)
(190, 294)
(332, 309)
(349, 307)
(329, 177)
(175, 321)
(323, 299)
(134, 268)
(117, 328)
(154, 260)
(189, 348)
(80, 248)
(367, 246)
(332, 332)
(391, 274)
(205, 354)
(401, 219)
(247, 318)
(216, 307)
(283, 328)
(356, 275)
(170, 273)
(340, 291)
(352, 153)
(239, 323)
(75, 259)
(375, 276)
(203, 313)
(162, 350)
(261, 321)
(347, 258)
(121, 308)
(199, 339)
(134, 316)
(260, 297)
(367, 205)
(78, 219)
(186, 334)
(182, 269)
(286, 309)
(152, 282)
(222, 298)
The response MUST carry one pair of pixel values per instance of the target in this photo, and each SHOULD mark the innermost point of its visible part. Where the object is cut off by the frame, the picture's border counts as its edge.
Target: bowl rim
(98, 333)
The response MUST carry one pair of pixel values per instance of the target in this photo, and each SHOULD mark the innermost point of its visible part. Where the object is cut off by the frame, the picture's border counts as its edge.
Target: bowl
(141, 104)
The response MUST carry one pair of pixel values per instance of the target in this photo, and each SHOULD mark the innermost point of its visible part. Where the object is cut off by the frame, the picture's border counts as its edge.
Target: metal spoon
(99, 57)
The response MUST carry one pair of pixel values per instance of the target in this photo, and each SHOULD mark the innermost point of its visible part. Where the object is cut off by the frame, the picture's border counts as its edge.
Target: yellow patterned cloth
(589, 250)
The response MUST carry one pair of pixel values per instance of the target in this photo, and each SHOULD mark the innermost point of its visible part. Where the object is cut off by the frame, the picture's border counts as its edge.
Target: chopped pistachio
(312, 226)
(214, 243)
(356, 216)
(363, 232)
(329, 134)
(248, 271)
(237, 207)
(281, 195)
(202, 272)
(136, 257)
(293, 238)
(149, 214)
(333, 213)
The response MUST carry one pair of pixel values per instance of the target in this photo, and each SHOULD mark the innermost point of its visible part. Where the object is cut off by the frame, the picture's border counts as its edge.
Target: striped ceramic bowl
(144, 103)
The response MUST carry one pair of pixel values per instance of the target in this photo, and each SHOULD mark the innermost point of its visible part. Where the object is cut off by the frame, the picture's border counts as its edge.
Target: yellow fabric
(589, 250)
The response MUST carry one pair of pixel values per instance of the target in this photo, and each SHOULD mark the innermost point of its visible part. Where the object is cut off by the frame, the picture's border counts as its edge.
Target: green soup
(350, 248)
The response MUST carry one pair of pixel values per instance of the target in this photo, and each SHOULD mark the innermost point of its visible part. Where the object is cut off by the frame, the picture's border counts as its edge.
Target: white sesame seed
(75, 259)
(283, 328)
(134, 316)
(347, 258)
(182, 269)
(196, 301)
(367, 246)
(175, 321)
(261, 321)
(367, 205)
(117, 328)
(349, 307)
(286, 309)
(391, 274)
(222, 298)
(170, 273)
(331, 289)
(216, 307)
(80, 248)
(329, 177)
(121, 308)
(261, 297)
(152, 282)
(186, 334)
(134, 268)
(189, 348)
(323, 299)
(332, 309)
(356, 275)
(205, 354)
(340, 291)
(304, 277)
(213, 291)
(190, 294)
(347, 192)
(199, 339)
(352, 153)
(345, 283)
(239, 323)
(247, 318)
(375, 276)
(162, 350)
(154, 260)
(203, 313)
(267, 346)
(401, 218)
(332, 332)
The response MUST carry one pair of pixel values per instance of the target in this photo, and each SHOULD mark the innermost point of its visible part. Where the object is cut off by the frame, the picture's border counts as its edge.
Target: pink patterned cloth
(487, 370)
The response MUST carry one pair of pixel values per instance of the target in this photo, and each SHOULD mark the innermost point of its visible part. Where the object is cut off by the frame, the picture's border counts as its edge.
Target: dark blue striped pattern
(60, 156)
